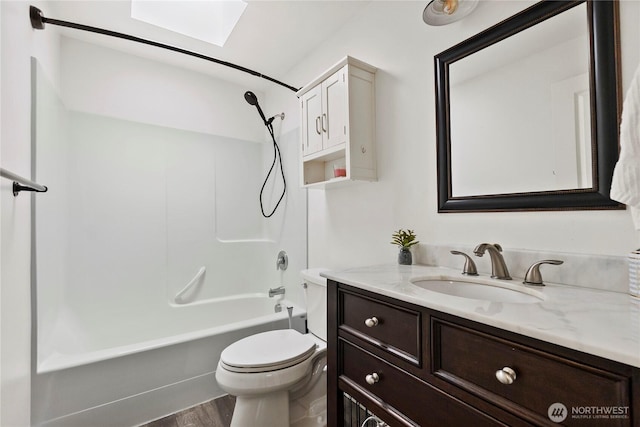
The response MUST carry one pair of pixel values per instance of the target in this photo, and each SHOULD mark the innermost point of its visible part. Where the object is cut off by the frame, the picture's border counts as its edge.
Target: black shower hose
(276, 155)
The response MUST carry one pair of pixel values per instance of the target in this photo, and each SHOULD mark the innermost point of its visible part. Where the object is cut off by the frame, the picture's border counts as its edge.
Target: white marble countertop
(602, 323)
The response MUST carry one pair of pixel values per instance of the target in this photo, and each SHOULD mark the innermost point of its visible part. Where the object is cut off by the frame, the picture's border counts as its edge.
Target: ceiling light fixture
(210, 21)
(443, 12)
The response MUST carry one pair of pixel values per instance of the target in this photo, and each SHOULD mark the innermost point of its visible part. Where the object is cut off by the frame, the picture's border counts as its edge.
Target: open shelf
(321, 168)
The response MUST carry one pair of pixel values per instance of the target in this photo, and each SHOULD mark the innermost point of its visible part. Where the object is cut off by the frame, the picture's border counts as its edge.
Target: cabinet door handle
(506, 375)
(371, 379)
(324, 119)
(318, 125)
(371, 322)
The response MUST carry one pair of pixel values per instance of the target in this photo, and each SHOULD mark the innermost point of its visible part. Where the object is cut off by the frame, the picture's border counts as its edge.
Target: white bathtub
(123, 370)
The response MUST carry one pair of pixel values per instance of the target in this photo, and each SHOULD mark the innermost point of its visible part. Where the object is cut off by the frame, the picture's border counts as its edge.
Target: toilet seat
(267, 351)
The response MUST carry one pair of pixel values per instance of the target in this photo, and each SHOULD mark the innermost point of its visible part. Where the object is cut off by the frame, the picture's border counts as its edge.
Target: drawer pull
(371, 322)
(506, 375)
(371, 379)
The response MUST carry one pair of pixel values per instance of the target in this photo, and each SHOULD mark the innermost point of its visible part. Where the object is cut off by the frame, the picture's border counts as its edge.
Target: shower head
(252, 99)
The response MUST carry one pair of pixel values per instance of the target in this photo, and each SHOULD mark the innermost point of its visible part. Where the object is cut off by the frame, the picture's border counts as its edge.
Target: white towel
(625, 186)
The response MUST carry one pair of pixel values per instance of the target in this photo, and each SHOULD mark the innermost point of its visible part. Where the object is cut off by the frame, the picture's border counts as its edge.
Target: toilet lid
(268, 351)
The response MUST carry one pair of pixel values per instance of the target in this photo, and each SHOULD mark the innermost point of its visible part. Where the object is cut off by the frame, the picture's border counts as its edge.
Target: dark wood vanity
(412, 366)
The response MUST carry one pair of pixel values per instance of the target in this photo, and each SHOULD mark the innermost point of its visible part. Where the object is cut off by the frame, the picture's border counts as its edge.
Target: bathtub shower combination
(151, 257)
(125, 375)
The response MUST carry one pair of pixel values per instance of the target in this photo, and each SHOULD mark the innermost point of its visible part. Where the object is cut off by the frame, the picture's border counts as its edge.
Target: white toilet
(279, 377)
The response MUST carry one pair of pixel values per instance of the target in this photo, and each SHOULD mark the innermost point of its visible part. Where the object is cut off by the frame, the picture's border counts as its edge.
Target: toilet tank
(316, 299)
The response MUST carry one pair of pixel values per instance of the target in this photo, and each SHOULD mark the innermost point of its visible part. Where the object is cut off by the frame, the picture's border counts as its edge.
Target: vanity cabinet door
(532, 382)
(420, 402)
(391, 327)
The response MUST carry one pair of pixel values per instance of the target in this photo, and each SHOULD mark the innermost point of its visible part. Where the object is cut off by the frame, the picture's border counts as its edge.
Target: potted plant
(404, 240)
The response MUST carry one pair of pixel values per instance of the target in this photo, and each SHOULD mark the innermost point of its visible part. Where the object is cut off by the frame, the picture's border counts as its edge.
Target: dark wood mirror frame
(605, 112)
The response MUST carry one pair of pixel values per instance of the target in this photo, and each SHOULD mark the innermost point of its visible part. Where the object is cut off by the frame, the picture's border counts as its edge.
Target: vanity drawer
(394, 328)
(406, 393)
(470, 359)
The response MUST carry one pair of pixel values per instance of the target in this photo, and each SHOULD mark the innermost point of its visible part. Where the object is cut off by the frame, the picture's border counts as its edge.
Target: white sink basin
(480, 291)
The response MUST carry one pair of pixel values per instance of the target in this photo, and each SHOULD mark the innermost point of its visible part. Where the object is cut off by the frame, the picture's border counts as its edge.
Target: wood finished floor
(215, 413)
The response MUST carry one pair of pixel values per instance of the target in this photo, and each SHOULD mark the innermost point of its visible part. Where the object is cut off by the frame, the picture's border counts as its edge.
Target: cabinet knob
(506, 375)
(371, 379)
(371, 322)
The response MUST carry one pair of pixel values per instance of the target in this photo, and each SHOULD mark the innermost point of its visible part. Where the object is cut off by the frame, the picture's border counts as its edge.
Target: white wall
(352, 226)
(19, 43)
(107, 82)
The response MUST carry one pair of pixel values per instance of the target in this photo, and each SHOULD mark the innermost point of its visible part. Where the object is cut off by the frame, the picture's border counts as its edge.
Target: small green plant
(404, 239)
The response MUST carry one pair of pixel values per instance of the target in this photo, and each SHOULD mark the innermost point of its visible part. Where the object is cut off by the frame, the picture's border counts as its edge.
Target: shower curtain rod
(38, 20)
(22, 184)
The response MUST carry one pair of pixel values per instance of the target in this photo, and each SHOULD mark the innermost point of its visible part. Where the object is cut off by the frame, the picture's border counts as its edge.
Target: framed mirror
(528, 111)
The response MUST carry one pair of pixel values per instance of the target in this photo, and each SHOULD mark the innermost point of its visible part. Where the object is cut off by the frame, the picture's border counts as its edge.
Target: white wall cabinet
(338, 126)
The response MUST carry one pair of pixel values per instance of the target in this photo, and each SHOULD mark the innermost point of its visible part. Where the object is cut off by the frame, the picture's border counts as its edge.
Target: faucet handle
(469, 266)
(533, 276)
(282, 262)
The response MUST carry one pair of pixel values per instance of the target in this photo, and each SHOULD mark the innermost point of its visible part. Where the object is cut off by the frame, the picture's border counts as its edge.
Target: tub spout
(276, 291)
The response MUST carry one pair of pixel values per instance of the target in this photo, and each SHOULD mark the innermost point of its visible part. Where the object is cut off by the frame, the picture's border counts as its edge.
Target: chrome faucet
(499, 268)
(276, 291)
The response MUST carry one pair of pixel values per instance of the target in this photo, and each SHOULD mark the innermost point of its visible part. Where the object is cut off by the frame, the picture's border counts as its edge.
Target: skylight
(211, 21)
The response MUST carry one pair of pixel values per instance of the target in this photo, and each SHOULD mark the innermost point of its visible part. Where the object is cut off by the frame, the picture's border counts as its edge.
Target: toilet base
(310, 409)
(270, 410)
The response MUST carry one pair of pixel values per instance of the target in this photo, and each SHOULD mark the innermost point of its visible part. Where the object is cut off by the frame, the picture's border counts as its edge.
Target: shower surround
(141, 200)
